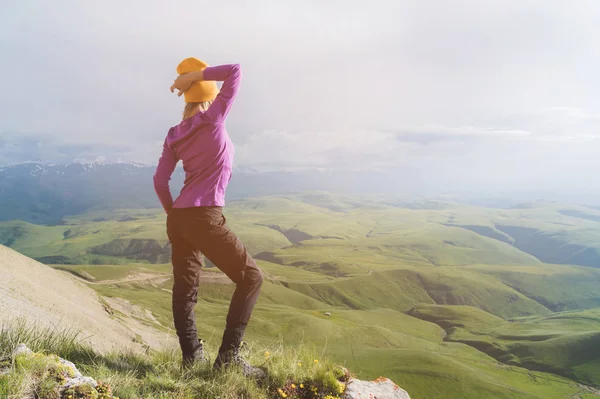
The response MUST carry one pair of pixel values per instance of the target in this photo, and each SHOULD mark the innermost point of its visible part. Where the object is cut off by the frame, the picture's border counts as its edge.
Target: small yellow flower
(293, 386)
(284, 395)
(316, 360)
(279, 390)
(301, 386)
(299, 364)
(267, 354)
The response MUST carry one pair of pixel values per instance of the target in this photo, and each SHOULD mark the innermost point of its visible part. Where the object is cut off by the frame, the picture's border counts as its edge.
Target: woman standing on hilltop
(195, 222)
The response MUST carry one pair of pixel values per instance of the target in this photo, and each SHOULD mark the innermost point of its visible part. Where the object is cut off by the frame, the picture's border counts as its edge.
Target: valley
(447, 299)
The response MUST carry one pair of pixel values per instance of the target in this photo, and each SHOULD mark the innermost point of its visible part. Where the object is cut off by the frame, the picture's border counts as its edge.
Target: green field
(448, 300)
(564, 343)
(415, 353)
(375, 235)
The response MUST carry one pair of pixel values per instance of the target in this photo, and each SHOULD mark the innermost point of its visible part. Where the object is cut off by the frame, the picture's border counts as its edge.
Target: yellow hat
(205, 90)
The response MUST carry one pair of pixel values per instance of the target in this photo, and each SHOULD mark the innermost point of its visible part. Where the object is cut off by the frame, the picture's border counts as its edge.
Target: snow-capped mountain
(45, 193)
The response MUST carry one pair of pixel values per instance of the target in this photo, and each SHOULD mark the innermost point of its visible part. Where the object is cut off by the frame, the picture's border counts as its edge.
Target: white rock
(79, 379)
(69, 364)
(381, 388)
(21, 349)
(73, 382)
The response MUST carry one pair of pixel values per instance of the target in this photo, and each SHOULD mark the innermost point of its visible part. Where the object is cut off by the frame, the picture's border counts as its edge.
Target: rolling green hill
(413, 350)
(439, 296)
(403, 289)
(294, 228)
(563, 343)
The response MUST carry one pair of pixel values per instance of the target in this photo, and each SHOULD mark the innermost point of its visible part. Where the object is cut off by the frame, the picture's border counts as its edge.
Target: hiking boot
(233, 357)
(196, 357)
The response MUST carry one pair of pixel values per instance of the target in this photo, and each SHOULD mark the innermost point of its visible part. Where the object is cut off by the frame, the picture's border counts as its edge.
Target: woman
(195, 222)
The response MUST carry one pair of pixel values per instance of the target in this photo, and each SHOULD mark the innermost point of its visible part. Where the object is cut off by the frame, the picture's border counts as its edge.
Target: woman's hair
(192, 108)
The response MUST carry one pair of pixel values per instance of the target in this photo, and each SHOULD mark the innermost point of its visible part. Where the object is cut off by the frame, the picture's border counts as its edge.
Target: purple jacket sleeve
(166, 166)
(231, 76)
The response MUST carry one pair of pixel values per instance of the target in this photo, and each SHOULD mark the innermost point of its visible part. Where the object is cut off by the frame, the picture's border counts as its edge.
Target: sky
(478, 94)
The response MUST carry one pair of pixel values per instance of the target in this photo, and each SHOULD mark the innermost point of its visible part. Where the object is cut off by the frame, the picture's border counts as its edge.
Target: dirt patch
(53, 299)
(129, 309)
(139, 320)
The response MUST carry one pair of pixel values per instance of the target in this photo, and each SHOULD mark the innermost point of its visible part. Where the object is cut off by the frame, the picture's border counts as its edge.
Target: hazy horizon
(470, 95)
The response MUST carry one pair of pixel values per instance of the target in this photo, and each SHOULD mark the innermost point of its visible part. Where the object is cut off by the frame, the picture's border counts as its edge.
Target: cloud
(566, 123)
(497, 92)
(558, 157)
(431, 134)
(335, 150)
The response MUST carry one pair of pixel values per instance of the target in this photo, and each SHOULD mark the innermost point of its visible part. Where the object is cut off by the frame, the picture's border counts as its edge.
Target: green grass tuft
(157, 374)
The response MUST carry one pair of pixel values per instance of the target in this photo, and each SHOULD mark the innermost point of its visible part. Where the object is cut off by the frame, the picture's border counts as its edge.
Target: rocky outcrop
(71, 380)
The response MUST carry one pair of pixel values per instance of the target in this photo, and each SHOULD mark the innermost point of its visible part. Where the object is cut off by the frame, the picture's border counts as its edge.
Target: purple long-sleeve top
(204, 146)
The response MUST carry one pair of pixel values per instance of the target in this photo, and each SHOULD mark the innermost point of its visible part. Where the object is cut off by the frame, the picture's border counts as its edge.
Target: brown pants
(203, 230)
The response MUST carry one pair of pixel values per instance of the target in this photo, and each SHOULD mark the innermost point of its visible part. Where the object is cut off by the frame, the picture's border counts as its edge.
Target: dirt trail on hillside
(157, 278)
(50, 298)
(136, 277)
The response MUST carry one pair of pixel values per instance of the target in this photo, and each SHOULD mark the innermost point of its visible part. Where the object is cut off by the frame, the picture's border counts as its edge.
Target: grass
(446, 370)
(404, 288)
(443, 298)
(556, 287)
(158, 374)
(410, 351)
(363, 322)
(562, 343)
(368, 234)
(458, 372)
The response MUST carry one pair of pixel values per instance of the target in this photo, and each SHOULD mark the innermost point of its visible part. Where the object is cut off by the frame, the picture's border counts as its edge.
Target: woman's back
(204, 146)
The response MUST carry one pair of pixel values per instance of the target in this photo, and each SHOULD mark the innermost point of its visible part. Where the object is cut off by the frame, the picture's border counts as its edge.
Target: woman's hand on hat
(185, 80)
(180, 84)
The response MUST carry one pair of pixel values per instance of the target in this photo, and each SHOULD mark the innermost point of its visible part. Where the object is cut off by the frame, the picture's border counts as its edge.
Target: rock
(73, 382)
(381, 388)
(69, 364)
(21, 349)
(79, 379)
(327, 314)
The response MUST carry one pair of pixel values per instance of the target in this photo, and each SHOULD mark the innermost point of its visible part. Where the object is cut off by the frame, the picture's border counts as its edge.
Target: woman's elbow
(235, 70)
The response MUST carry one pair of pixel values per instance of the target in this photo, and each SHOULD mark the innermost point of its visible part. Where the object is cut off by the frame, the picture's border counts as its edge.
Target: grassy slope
(562, 343)
(372, 342)
(403, 289)
(556, 287)
(157, 374)
(368, 264)
(452, 234)
(406, 349)
(375, 233)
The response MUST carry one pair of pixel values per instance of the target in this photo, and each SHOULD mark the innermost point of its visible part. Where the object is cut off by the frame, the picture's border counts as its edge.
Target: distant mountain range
(44, 193)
